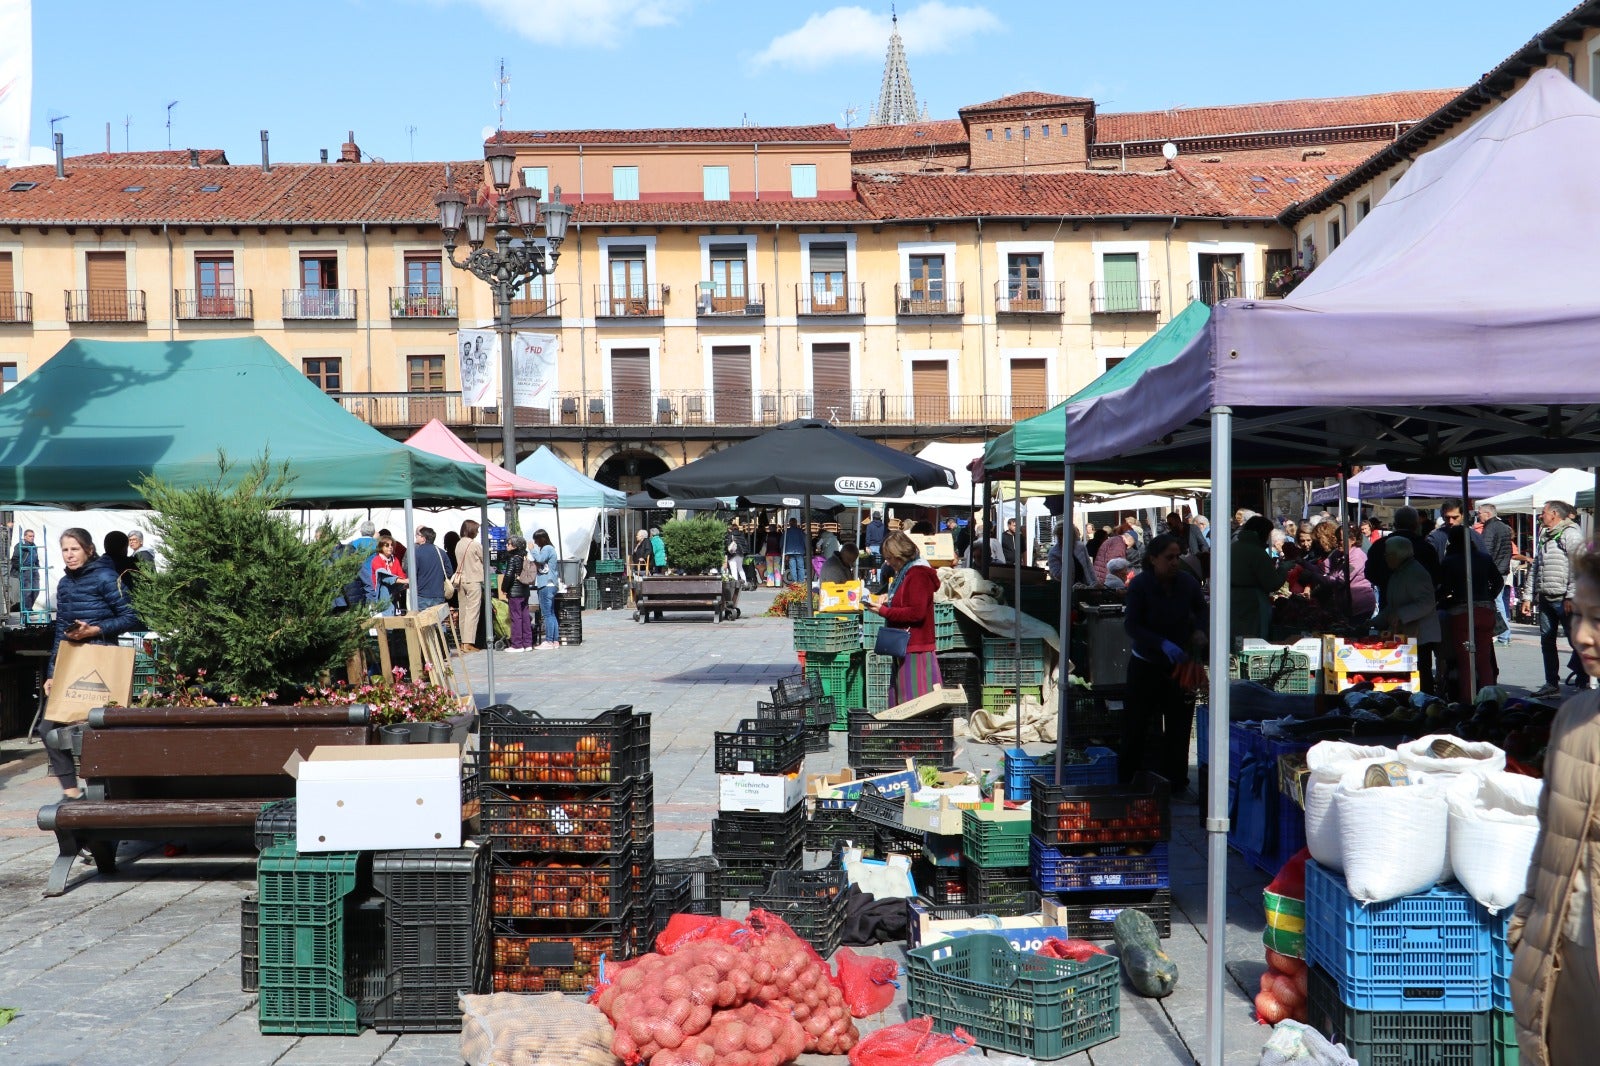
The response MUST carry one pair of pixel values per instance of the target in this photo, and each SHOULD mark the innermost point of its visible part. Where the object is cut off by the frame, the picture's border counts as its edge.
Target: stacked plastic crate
(761, 822)
(1268, 825)
(882, 746)
(1100, 848)
(435, 908)
(301, 914)
(1423, 978)
(567, 808)
(811, 902)
(835, 663)
(1010, 666)
(569, 617)
(611, 577)
(795, 701)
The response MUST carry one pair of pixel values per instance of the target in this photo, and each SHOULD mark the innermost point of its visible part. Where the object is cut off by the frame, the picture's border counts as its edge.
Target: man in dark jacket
(1497, 542)
(1013, 543)
(430, 565)
(1451, 514)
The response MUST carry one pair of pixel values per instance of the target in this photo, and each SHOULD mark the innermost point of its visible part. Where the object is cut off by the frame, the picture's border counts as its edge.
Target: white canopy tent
(1563, 484)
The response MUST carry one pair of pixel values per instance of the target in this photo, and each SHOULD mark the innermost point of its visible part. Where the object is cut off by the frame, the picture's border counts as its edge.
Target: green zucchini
(1150, 971)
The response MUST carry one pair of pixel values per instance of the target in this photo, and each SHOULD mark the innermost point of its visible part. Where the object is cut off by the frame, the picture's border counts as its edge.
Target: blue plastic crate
(1021, 768)
(1428, 951)
(1055, 872)
(1283, 833)
(1499, 959)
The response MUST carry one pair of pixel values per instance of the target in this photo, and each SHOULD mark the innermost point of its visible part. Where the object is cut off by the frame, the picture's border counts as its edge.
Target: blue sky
(309, 70)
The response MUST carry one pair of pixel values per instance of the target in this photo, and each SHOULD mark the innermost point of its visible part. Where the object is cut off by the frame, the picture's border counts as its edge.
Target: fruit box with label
(1369, 656)
(844, 788)
(759, 793)
(840, 597)
(383, 797)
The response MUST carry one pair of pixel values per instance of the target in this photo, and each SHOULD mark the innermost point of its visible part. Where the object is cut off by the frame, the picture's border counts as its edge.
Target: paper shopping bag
(89, 676)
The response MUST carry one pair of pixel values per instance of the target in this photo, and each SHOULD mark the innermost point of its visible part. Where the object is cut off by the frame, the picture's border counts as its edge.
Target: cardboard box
(943, 819)
(384, 797)
(936, 547)
(840, 597)
(845, 787)
(1344, 656)
(759, 793)
(1024, 932)
(938, 699)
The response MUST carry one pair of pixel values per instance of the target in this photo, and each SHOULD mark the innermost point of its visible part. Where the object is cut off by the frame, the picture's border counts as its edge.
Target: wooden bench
(171, 773)
(672, 592)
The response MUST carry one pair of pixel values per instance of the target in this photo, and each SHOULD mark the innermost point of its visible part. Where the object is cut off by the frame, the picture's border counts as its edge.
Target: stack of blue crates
(1422, 978)
(1268, 828)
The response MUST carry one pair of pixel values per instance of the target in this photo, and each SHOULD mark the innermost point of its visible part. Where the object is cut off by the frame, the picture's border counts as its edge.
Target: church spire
(897, 101)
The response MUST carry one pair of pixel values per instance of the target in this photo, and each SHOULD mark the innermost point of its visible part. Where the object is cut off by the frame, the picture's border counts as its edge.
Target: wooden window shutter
(1030, 388)
(730, 383)
(630, 386)
(930, 390)
(8, 279)
(830, 381)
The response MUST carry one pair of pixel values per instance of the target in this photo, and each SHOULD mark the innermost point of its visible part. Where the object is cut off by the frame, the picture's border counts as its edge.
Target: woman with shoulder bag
(515, 586)
(909, 633)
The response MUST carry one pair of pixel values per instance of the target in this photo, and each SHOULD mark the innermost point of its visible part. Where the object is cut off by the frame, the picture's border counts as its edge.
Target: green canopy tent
(100, 415)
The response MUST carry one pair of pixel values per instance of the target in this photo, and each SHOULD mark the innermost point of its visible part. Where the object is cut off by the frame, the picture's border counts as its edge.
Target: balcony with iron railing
(1212, 293)
(319, 303)
(847, 299)
(213, 304)
(105, 305)
(702, 408)
(1030, 297)
(16, 308)
(628, 301)
(411, 301)
(719, 300)
(1125, 297)
(546, 301)
(920, 299)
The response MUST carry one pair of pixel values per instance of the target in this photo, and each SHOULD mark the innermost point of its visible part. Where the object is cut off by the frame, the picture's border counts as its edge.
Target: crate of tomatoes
(526, 747)
(532, 886)
(559, 820)
(530, 958)
(1076, 818)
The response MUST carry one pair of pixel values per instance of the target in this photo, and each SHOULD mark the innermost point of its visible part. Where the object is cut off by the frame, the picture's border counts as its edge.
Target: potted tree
(695, 549)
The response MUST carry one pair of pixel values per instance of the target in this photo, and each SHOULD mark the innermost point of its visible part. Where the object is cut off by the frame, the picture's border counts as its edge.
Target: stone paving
(143, 968)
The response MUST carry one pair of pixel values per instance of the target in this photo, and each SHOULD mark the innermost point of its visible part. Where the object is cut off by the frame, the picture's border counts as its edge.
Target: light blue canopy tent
(573, 488)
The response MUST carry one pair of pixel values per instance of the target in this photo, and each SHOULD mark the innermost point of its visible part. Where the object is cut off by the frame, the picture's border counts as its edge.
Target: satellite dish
(487, 132)
(1169, 151)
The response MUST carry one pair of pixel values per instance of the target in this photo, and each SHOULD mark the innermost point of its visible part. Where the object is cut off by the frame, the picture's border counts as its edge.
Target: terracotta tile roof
(289, 194)
(1026, 99)
(1073, 195)
(1257, 189)
(720, 212)
(945, 131)
(177, 157)
(1178, 123)
(690, 135)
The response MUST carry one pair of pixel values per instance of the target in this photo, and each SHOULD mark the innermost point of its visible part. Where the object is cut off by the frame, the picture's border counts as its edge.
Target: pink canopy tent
(435, 438)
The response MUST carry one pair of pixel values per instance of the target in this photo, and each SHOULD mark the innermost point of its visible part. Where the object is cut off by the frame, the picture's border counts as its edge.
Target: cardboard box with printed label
(385, 797)
(759, 793)
(844, 786)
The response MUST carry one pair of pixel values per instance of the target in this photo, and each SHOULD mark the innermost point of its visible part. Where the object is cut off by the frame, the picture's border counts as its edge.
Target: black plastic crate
(559, 820)
(249, 943)
(742, 878)
(816, 710)
(900, 841)
(673, 894)
(528, 886)
(963, 670)
(532, 957)
(829, 827)
(883, 812)
(1091, 716)
(517, 746)
(1026, 903)
(1091, 916)
(365, 956)
(1006, 887)
(1073, 818)
(942, 884)
(797, 688)
(644, 809)
(758, 747)
(812, 902)
(436, 917)
(881, 746)
(275, 824)
(705, 879)
(739, 835)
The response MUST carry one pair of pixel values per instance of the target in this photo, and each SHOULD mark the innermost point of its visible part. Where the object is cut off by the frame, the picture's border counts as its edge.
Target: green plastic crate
(1504, 1026)
(1024, 1004)
(871, 622)
(609, 566)
(1001, 697)
(880, 675)
(301, 932)
(841, 675)
(827, 633)
(994, 839)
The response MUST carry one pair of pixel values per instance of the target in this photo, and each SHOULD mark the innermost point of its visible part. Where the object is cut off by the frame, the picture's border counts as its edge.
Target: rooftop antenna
(169, 122)
(502, 88)
(127, 123)
(849, 115)
(411, 132)
(53, 120)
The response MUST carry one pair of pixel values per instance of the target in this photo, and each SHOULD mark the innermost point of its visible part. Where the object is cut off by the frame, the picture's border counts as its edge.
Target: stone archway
(626, 466)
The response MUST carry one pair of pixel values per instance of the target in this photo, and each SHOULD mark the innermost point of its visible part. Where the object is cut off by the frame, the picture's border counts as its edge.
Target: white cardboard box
(759, 793)
(379, 797)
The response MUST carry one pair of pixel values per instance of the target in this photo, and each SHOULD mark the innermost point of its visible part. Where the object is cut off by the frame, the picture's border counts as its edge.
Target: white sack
(1328, 761)
(1494, 821)
(1393, 836)
(1481, 758)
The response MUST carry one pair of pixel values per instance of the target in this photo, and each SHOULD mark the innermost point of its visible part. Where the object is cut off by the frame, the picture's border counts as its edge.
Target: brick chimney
(350, 152)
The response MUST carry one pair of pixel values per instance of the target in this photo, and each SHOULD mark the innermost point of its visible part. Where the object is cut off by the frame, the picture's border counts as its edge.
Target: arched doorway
(628, 469)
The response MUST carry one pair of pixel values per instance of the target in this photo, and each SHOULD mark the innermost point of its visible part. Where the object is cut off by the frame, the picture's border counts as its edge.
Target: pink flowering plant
(174, 688)
(392, 699)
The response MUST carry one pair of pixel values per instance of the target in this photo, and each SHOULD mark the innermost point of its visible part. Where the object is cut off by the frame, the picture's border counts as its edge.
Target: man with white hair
(136, 549)
(1117, 574)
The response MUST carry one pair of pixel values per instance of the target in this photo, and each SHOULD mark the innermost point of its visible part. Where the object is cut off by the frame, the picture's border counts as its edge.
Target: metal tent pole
(1216, 801)
(1471, 647)
(1063, 687)
(411, 553)
(805, 561)
(1016, 603)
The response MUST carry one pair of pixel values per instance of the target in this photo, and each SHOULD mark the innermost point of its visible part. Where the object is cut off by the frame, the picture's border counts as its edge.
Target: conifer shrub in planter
(696, 545)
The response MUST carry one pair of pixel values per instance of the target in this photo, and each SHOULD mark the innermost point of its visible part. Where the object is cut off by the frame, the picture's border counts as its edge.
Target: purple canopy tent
(1381, 483)
(1412, 343)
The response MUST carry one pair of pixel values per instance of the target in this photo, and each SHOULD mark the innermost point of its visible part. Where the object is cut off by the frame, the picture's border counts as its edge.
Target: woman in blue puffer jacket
(91, 608)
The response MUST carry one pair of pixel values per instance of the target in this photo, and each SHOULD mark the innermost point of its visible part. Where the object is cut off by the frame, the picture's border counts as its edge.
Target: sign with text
(534, 359)
(478, 365)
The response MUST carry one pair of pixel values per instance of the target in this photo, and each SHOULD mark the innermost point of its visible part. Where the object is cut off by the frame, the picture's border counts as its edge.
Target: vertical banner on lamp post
(534, 357)
(478, 350)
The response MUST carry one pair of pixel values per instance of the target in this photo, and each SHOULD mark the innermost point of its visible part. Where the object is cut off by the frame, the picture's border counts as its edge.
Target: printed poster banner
(479, 366)
(534, 358)
(16, 78)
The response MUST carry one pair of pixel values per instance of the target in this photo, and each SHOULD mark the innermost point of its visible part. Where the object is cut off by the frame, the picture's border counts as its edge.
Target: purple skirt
(917, 676)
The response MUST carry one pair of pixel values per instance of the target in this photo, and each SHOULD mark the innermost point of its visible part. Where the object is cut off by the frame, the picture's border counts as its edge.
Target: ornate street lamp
(508, 266)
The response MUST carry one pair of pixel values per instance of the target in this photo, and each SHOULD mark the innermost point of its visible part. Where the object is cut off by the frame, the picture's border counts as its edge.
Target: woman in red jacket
(910, 607)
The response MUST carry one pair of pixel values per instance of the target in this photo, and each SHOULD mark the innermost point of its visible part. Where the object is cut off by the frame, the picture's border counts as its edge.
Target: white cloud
(854, 34)
(601, 23)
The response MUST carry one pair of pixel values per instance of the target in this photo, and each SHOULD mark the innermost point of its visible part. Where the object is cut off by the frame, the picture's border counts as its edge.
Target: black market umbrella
(803, 458)
(644, 501)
